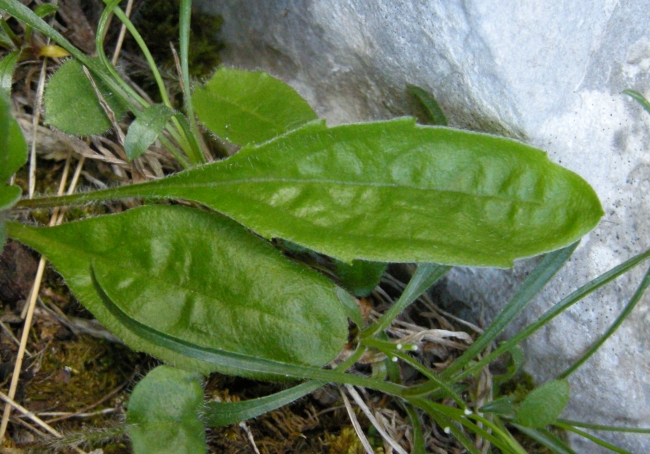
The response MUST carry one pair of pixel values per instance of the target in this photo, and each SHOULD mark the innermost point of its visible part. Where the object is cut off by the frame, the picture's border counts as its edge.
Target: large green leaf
(72, 105)
(164, 413)
(249, 107)
(199, 277)
(391, 191)
(543, 405)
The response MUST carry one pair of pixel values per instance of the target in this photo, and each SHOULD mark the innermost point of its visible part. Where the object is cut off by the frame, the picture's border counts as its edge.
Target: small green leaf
(7, 67)
(360, 277)
(433, 112)
(199, 277)
(9, 195)
(71, 103)
(145, 129)
(249, 107)
(163, 413)
(15, 151)
(543, 405)
(502, 406)
(350, 306)
(638, 97)
(45, 10)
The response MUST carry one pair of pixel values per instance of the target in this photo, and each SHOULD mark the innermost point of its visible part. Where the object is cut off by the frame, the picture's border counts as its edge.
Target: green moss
(157, 22)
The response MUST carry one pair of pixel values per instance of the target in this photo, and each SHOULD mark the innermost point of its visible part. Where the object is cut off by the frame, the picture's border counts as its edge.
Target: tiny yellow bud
(53, 51)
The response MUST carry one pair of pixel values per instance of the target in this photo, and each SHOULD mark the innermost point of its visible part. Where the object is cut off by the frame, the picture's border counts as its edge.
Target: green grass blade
(419, 445)
(584, 425)
(546, 438)
(588, 436)
(612, 329)
(556, 310)
(217, 414)
(533, 284)
(100, 35)
(426, 274)
(639, 98)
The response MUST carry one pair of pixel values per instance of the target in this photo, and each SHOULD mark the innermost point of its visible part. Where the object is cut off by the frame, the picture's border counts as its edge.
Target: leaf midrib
(245, 181)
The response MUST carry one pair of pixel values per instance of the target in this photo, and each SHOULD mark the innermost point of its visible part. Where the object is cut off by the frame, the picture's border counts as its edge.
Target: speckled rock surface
(550, 73)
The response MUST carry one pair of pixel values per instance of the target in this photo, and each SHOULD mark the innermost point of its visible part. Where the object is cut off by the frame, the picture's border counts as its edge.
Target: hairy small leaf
(163, 413)
(71, 103)
(199, 277)
(145, 129)
(249, 107)
(543, 405)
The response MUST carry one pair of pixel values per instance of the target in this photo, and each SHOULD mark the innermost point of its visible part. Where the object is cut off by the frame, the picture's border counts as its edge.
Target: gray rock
(550, 73)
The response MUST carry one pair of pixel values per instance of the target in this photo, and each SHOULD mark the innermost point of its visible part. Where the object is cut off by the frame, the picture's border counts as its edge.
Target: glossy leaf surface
(199, 277)
(71, 103)
(543, 405)
(163, 413)
(249, 107)
(393, 192)
(145, 129)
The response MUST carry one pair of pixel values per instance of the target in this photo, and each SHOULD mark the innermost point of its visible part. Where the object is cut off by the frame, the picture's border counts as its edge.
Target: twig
(35, 418)
(107, 109)
(55, 219)
(357, 398)
(11, 336)
(120, 39)
(35, 120)
(355, 423)
(249, 434)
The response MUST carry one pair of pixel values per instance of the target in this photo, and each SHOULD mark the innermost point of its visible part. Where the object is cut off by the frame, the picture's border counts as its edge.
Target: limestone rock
(550, 73)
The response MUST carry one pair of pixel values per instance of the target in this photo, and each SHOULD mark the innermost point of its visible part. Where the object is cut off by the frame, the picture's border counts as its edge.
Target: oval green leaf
(249, 107)
(72, 106)
(543, 405)
(394, 192)
(145, 129)
(163, 413)
(199, 277)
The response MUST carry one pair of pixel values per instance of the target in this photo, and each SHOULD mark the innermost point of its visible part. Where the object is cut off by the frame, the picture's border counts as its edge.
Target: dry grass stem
(364, 408)
(355, 423)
